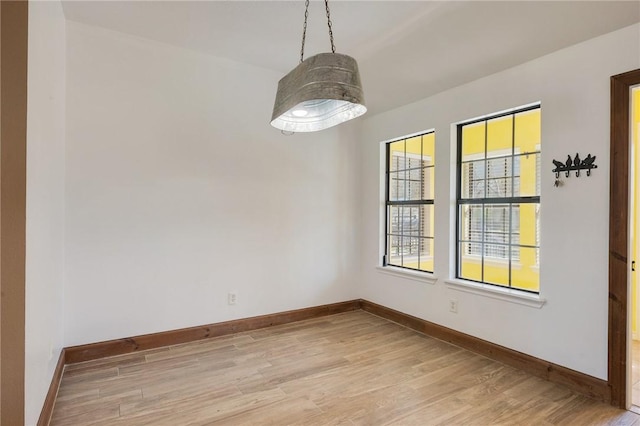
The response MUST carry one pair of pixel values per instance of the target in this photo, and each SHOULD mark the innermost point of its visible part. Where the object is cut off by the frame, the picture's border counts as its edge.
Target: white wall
(573, 86)
(179, 190)
(45, 201)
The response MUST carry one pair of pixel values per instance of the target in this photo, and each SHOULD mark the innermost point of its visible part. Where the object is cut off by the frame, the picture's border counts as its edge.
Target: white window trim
(496, 292)
(409, 274)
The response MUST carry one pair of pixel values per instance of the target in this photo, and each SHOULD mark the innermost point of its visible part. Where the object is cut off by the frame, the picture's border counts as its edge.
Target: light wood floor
(346, 369)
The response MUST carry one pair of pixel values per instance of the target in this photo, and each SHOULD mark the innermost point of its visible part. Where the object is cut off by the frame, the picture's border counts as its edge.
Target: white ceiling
(406, 50)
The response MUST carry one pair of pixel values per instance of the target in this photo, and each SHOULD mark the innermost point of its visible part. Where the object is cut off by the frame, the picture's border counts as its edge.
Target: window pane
(413, 162)
(394, 257)
(410, 221)
(471, 223)
(525, 274)
(413, 248)
(499, 173)
(496, 230)
(473, 179)
(527, 224)
(410, 248)
(428, 148)
(414, 184)
(499, 167)
(496, 272)
(529, 175)
(499, 136)
(515, 255)
(397, 187)
(394, 226)
(474, 249)
(427, 183)
(396, 155)
(527, 143)
(473, 147)
(427, 220)
(426, 255)
(527, 131)
(496, 251)
(470, 265)
(414, 149)
(516, 225)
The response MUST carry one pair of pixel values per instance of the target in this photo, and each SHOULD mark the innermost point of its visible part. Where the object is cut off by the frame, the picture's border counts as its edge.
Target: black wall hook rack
(575, 164)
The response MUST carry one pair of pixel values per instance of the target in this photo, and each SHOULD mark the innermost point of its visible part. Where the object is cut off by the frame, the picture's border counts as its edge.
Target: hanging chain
(333, 46)
(304, 27)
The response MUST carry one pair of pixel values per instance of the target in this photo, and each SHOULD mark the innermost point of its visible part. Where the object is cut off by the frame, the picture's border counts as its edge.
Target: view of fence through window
(409, 202)
(498, 202)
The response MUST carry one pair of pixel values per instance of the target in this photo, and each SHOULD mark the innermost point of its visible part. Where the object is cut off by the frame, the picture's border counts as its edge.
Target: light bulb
(300, 112)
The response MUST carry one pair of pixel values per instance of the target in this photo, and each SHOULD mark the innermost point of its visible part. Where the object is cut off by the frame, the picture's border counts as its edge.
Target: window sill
(425, 277)
(506, 294)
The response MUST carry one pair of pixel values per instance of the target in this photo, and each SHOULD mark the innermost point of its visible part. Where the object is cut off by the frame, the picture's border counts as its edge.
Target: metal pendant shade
(322, 91)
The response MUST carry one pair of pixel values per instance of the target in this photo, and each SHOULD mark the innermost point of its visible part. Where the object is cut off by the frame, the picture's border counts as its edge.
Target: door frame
(14, 17)
(619, 235)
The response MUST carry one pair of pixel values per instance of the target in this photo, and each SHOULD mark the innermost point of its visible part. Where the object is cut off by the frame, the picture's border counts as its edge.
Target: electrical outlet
(232, 298)
(453, 306)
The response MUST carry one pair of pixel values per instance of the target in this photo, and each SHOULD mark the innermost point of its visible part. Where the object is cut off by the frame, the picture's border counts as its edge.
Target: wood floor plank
(204, 409)
(286, 411)
(352, 368)
(74, 408)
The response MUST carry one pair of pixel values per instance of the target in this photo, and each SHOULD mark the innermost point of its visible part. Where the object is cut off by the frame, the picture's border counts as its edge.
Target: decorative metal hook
(576, 164)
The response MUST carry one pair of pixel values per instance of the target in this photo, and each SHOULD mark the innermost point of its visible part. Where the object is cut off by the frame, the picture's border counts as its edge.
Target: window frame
(494, 201)
(387, 204)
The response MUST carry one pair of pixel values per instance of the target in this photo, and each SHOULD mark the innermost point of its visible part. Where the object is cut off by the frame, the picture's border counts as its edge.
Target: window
(498, 200)
(409, 202)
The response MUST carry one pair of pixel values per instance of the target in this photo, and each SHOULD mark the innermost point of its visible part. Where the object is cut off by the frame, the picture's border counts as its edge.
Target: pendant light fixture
(322, 91)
